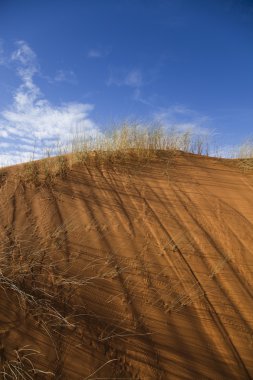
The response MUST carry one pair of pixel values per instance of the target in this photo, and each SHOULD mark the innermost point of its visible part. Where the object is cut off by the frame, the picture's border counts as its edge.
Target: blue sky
(67, 65)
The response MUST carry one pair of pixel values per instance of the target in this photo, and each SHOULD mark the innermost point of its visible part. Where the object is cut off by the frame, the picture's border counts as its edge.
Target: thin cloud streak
(98, 53)
(94, 54)
(183, 119)
(121, 77)
(67, 76)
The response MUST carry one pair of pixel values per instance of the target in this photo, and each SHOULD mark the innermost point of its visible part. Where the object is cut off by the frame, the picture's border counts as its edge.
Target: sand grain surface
(128, 272)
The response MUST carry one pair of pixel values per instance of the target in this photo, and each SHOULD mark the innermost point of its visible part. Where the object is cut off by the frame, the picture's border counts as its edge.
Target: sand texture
(130, 271)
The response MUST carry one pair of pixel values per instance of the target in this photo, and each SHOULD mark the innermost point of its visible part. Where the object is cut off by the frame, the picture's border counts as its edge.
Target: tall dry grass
(129, 140)
(138, 136)
(244, 155)
(138, 140)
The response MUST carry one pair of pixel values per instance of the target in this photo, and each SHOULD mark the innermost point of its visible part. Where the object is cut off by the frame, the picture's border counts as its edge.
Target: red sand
(132, 271)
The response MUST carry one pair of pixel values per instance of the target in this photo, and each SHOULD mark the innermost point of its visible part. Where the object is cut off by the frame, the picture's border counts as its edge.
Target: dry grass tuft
(21, 365)
(244, 154)
(128, 142)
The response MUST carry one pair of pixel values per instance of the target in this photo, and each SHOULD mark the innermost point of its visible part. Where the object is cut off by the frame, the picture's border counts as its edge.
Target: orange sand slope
(128, 272)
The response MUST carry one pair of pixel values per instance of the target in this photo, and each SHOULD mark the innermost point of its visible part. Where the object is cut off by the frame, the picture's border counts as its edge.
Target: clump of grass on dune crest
(44, 171)
(137, 141)
(246, 149)
(129, 141)
(244, 154)
(121, 144)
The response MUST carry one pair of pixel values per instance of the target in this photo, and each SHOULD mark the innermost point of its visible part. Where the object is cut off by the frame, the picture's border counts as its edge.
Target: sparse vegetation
(245, 156)
(130, 141)
(140, 141)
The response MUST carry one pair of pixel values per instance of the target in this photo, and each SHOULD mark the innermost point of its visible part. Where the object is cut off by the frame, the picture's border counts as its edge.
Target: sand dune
(128, 272)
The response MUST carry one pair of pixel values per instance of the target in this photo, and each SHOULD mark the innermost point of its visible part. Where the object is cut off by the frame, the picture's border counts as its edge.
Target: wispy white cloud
(61, 76)
(138, 97)
(121, 77)
(94, 53)
(98, 53)
(133, 78)
(25, 55)
(32, 120)
(183, 119)
(67, 76)
(137, 81)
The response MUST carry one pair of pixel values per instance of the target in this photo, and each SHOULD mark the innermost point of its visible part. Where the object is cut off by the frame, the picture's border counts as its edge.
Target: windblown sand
(130, 271)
